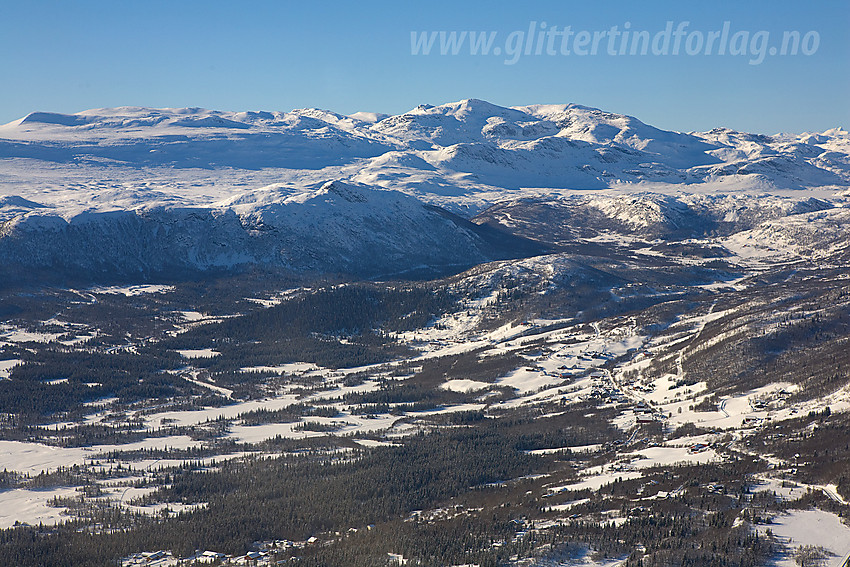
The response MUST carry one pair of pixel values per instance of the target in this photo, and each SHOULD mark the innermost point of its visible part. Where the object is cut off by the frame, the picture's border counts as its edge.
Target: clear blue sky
(67, 56)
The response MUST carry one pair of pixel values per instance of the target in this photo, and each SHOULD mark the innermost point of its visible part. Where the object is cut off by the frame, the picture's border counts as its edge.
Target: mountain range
(136, 192)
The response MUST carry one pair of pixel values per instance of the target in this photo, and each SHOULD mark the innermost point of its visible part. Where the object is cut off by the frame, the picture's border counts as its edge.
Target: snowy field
(811, 527)
(19, 505)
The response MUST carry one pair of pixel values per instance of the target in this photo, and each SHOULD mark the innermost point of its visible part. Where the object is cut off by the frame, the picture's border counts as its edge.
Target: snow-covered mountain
(135, 190)
(465, 145)
(337, 228)
(648, 215)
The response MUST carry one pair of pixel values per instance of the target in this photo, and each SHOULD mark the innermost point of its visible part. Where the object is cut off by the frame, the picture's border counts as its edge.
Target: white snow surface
(811, 527)
(30, 506)
(199, 353)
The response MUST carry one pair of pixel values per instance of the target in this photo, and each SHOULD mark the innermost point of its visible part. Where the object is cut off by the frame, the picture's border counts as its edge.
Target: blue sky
(67, 56)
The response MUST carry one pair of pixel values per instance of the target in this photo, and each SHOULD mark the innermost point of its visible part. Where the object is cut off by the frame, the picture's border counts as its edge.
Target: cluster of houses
(644, 413)
(770, 401)
(150, 558)
(606, 393)
(166, 559)
(262, 556)
(603, 390)
(646, 388)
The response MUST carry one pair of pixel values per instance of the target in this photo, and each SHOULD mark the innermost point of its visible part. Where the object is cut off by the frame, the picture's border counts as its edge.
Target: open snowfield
(34, 458)
(198, 353)
(6, 367)
(811, 527)
(19, 505)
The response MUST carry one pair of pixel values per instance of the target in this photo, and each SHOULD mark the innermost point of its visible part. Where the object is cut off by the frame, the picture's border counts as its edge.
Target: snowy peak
(53, 119)
(469, 120)
(345, 191)
(328, 194)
